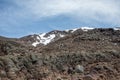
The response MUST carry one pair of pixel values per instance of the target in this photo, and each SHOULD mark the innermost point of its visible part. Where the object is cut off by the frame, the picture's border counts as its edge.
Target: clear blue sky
(23, 17)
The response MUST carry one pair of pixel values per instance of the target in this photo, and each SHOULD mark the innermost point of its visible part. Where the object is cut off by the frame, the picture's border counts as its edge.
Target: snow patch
(86, 28)
(38, 37)
(46, 40)
(62, 35)
(43, 40)
(73, 30)
(67, 30)
(35, 43)
(117, 28)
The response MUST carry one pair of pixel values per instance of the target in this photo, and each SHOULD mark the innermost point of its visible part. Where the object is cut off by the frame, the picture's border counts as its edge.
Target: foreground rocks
(60, 67)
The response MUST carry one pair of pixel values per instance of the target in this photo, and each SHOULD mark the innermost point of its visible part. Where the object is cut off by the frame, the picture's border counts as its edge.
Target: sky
(23, 17)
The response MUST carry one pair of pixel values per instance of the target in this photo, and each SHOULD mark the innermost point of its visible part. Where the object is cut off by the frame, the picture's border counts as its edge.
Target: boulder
(79, 69)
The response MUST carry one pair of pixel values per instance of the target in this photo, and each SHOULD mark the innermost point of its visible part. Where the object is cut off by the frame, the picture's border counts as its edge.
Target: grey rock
(79, 69)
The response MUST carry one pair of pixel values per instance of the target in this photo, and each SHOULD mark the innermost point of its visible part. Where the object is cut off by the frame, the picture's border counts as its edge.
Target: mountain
(46, 38)
(78, 54)
(43, 38)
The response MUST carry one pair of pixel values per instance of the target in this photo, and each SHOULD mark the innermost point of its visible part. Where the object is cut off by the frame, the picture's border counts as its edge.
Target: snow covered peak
(46, 38)
(86, 28)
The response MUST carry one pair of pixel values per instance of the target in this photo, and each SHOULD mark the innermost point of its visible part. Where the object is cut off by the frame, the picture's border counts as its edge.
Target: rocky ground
(82, 55)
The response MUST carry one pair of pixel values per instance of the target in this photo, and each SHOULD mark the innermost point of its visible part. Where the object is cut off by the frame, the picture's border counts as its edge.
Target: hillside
(81, 54)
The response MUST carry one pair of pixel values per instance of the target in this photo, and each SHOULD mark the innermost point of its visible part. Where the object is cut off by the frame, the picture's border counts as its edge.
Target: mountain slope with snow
(43, 38)
(80, 54)
(46, 38)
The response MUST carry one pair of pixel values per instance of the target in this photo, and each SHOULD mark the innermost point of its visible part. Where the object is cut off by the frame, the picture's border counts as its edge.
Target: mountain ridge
(46, 38)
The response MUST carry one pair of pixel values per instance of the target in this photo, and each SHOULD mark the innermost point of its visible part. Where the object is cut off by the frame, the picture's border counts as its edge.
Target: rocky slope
(82, 54)
(46, 38)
